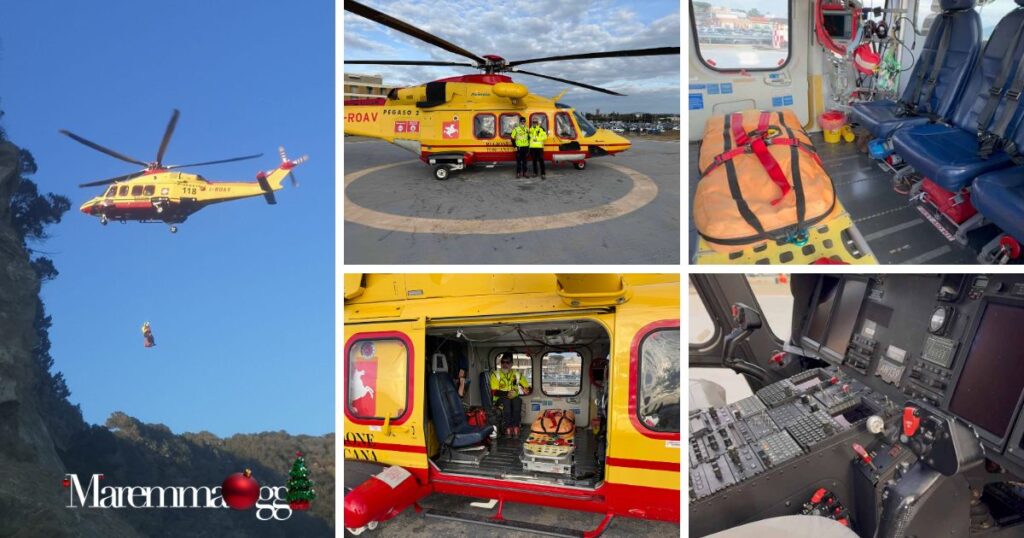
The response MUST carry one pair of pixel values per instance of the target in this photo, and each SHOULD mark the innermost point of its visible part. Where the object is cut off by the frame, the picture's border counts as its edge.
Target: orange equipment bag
(761, 179)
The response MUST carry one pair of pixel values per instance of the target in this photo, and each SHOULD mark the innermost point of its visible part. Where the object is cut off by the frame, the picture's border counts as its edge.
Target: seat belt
(931, 71)
(940, 58)
(986, 140)
(1013, 95)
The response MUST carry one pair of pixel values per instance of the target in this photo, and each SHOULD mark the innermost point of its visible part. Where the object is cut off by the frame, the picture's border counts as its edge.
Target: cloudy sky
(518, 30)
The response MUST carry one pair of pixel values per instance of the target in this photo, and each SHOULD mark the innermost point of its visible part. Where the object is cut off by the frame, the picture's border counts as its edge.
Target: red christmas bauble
(240, 490)
(299, 505)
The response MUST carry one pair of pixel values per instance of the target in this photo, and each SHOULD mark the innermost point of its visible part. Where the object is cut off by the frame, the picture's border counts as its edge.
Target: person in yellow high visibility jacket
(521, 138)
(147, 336)
(505, 389)
(537, 138)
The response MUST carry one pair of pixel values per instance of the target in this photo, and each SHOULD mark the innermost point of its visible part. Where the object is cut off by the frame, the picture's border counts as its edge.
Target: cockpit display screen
(993, 375)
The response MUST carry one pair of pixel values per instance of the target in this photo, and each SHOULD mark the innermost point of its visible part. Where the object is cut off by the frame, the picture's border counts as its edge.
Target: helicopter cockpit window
(542, 117)
(149, 190)
(111, 192)
(563, 126)
(561, 373)
(658, 391)
(585, 125)
(137, 190)
(508, 122)
(123, 191)
(483, 125)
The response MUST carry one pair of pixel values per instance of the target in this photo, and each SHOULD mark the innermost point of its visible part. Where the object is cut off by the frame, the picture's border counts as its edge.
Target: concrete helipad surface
(409, 523)
(622, 209)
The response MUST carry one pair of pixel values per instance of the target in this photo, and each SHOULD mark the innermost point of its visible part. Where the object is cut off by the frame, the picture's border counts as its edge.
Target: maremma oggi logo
(239, 491)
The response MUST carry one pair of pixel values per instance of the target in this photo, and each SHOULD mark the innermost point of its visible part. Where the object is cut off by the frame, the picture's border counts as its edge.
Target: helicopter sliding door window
(137, 190)
(123, 191)
(730, 37)
(377, 367)
(149, 190)
(561, 373)
(521, 362)
(483, 126)
(507, 123)
(654, 378)
(543, 119)
(563, 126)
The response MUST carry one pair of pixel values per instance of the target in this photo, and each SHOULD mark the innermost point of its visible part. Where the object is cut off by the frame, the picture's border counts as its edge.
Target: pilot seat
(463, 442)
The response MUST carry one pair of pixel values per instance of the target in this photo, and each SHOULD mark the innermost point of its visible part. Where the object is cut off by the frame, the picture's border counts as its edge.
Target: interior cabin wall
(716, 92)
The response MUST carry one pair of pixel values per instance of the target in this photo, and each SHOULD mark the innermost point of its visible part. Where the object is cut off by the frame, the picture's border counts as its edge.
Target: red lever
(777, 358)
(818, 495)
(846, 388)
(911, 420)
(833, 380)
(864, 456)
(735, 312)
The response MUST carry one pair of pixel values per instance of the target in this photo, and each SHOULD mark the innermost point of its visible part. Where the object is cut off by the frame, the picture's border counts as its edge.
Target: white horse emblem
(358, 388)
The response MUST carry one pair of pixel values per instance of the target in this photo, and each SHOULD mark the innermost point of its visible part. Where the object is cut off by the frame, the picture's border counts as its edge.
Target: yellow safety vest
(504, 382)
(521, 135)
(537, 136)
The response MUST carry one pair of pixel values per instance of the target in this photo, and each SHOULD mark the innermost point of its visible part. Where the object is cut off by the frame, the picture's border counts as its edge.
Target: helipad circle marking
(643, 192)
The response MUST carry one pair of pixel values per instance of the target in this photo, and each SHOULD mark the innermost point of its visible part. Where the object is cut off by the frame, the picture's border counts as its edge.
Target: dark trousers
(521, 159)
(538, 157)
(511, 410)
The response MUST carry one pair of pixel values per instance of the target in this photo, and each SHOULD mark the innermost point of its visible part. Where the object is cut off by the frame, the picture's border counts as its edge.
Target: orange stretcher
(761, 180)
(553, 434)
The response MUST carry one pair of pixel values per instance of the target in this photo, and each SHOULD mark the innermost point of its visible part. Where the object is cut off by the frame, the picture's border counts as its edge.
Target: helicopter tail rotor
(287, 164)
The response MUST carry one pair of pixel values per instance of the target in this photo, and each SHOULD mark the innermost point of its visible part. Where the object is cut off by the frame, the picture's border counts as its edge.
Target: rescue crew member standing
(505, 385)
(537, 137)
(521, 138)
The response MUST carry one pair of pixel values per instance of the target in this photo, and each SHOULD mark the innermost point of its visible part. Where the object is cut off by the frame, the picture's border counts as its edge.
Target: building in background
(360, 86)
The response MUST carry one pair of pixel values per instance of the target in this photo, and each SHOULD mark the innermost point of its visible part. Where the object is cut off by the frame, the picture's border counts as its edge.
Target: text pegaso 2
(270, 506)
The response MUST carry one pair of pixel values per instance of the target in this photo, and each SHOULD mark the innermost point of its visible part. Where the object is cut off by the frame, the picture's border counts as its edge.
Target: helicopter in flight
(160, 193)
(455, 122)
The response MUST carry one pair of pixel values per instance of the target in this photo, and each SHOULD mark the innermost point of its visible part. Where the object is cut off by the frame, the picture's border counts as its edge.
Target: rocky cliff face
(41, 442)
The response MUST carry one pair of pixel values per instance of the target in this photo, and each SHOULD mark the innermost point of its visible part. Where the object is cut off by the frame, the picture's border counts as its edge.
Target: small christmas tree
(300, 487)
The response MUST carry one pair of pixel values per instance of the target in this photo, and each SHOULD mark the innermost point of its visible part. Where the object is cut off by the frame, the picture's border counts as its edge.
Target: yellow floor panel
(838, 240)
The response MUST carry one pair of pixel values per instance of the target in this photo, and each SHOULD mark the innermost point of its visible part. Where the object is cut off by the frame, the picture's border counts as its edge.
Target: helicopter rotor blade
(102, 149)
(111, 180)
(387, 20)
(580, 84)
(407, 62)
(167, 136)
(610, 54)
(247, 157)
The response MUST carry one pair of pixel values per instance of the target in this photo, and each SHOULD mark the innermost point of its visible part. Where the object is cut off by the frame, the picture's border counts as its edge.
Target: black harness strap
(909, 106)
(940, 57)
(798, 183)
(986, 140)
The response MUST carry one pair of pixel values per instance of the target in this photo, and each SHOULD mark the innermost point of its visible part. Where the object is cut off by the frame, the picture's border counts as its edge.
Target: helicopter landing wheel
(174, 229)
(579, 165)
(103, 220)
(441, 172)
(159, 208)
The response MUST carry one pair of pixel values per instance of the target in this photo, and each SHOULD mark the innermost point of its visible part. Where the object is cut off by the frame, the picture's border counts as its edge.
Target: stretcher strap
(798, 182)
(732, 153)
(772, 167)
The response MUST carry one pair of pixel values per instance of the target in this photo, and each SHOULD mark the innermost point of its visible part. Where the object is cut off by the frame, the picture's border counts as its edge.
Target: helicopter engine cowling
(511, 90)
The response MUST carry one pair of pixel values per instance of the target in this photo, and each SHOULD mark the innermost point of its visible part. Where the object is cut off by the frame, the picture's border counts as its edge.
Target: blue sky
(518, 29)
(241, 299)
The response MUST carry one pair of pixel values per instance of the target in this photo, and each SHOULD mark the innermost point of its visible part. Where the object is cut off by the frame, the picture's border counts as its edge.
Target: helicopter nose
(88, 208)
(611, 142)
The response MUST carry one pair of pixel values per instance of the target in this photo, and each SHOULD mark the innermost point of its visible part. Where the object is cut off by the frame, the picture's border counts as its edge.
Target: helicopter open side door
(383, 401)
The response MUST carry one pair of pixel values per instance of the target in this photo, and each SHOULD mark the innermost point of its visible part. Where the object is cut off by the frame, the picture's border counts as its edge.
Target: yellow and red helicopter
(603, 347)
(454, 122)
(159, 193)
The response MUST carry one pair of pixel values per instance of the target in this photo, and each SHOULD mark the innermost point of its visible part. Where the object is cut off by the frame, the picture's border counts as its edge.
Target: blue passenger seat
(447, 411)
(999, 196)
(933, 89)
(952, 155)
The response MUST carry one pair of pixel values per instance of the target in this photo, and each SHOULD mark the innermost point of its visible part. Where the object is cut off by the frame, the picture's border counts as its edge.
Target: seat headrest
(439, 363)
(956, 5)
